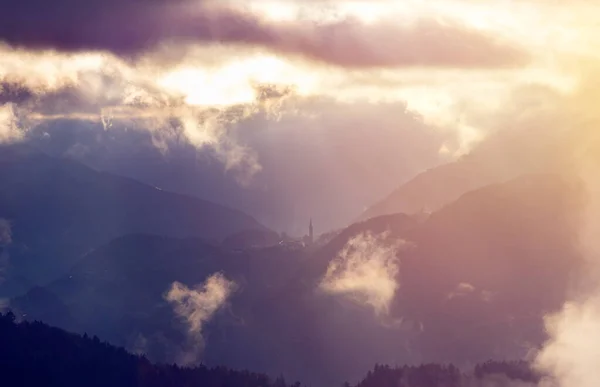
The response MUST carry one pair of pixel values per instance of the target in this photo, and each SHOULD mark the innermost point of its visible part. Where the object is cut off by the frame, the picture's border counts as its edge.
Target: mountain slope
(489, 266)
(484, 270)
(35, 354)
(432, 189)
(505, 155)
(118, 292)
(59, 209)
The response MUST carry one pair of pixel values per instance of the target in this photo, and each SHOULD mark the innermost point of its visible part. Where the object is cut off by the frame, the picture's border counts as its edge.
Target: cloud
(132, 27)
(161, 69)
(104, 90)
(570, 356)
(366, 271)
(9, 126)
(423, 43)
(101, 89)
(197, 306)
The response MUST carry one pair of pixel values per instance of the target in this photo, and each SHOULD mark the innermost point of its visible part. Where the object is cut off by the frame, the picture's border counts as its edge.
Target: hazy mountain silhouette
(306, 171)
(482, 273)
(59, 209)
(503, 156)
(432, 189)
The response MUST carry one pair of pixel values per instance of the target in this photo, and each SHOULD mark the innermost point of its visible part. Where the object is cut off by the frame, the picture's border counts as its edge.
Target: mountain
(35, 354)
(58, 210)
(480, 273)
(432, 189)
(503, 156)
(304, 171)
(118, 292)
(466, 290)
(489, 266)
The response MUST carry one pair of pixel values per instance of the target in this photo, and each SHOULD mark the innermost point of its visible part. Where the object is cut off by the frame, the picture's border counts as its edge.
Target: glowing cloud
(365, 271)
(570, 357)
(9, 127)
(197, 306)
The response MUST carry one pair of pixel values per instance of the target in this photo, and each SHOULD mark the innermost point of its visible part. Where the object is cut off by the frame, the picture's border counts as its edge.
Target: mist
(196, 306)
(9, 128)
(570, 356)
(366, 271)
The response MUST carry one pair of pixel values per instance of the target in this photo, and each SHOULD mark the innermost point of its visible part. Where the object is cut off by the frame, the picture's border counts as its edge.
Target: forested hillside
(35, 354)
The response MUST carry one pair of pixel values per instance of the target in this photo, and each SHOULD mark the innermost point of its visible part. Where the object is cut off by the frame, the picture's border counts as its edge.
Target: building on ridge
(309, 239)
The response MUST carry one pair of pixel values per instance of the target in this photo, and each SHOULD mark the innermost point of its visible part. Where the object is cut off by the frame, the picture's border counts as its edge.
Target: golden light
(234, 82)
(275, 10)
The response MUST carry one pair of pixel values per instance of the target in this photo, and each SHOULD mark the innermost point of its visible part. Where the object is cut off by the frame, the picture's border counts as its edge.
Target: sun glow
(275, 10)
(233, 83)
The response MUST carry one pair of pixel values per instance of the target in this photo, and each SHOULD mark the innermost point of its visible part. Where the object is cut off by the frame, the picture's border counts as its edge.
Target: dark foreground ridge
(35, 354)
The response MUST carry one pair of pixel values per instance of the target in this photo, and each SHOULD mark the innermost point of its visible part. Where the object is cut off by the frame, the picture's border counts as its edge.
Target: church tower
(310, 232)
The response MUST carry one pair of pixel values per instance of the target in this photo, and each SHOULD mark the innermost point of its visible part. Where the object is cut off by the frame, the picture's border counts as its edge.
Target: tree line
(35, 354)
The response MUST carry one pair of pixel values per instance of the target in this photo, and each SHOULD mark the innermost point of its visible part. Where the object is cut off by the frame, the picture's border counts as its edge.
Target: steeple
(310, 231)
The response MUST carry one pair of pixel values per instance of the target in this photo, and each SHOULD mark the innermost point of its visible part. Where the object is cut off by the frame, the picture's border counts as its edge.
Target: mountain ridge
(59, 209)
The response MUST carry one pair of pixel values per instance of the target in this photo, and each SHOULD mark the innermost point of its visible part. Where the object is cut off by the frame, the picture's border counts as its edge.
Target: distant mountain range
(306, 171)
(434, 188)
(59, 209)
(483, 271)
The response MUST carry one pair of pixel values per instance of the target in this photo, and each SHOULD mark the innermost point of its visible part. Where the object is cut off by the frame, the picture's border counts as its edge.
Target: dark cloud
(131, 27)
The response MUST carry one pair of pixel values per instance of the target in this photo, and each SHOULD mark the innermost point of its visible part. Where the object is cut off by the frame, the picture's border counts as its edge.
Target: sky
(373, 91)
